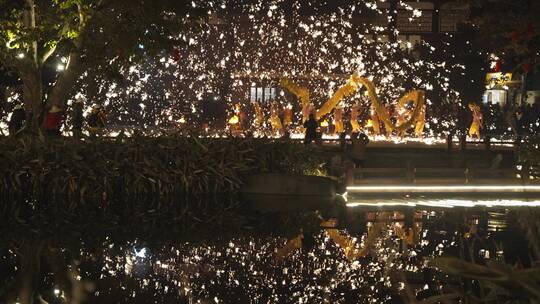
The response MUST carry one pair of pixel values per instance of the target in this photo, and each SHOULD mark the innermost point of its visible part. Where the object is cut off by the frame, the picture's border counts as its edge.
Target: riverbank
(49, 183)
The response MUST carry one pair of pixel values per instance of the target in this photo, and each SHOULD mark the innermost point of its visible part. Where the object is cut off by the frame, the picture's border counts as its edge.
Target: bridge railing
(456, 176)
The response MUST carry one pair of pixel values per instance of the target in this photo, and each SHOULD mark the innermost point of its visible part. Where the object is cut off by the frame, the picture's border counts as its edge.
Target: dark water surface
(387, 259)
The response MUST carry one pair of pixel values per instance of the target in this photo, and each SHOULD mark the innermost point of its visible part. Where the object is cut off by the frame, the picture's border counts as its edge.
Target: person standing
(338, 120)
(477, 121)
(310, 126)
(275, 120)
(307, 109)
(374, 124)
(259, 117)
(355, 126)
(54, 121)
(401, 119)
(16, 122)
(287, 116)
(420, 123)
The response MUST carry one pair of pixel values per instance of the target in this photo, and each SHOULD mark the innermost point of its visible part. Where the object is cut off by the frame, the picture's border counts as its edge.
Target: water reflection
(444, 203)
(379, 256)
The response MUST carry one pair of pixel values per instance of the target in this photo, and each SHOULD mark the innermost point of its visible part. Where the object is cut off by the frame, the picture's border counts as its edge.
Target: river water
(387, 260)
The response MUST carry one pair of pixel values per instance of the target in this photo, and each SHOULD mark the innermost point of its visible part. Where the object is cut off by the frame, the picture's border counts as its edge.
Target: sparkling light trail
(444, 189)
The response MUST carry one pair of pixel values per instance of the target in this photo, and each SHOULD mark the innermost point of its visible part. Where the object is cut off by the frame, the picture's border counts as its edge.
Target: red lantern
(527, 67)
(177, 55)
(497, 66)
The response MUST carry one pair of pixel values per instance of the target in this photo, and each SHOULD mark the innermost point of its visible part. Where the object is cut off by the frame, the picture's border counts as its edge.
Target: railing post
(467, 174)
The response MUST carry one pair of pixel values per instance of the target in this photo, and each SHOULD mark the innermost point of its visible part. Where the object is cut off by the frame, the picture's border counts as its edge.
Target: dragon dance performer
(234, 122)
(401, 119)
(275, 121)
(259, 117)
(338, 120)
(287, 115)
(374, 122)
(421, 122)
(477, 122)
(355, 112)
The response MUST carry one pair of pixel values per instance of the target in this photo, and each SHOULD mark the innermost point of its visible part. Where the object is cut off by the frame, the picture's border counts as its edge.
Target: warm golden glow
(443, 189)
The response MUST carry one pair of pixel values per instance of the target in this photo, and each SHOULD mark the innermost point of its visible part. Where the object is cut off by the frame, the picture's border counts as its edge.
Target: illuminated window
(495, 96)
(260, 94)
(253, 94)
(409, 41)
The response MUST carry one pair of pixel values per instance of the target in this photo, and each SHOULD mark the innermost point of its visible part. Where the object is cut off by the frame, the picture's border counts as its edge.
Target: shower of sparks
(244, 43)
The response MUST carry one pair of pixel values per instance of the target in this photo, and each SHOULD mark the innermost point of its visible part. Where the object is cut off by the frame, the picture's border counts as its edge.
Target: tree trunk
(65, 83)
(33, 95)
(31, 73)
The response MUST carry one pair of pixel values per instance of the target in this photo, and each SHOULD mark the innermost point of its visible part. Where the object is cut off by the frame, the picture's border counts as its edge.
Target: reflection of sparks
(246, 268)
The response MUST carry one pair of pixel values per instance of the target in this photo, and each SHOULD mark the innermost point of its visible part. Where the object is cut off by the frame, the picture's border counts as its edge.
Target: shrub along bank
(136, 177)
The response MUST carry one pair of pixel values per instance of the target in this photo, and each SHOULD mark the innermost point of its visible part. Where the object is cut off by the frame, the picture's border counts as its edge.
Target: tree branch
(50, 51)
(29, 21)
(47, 54)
